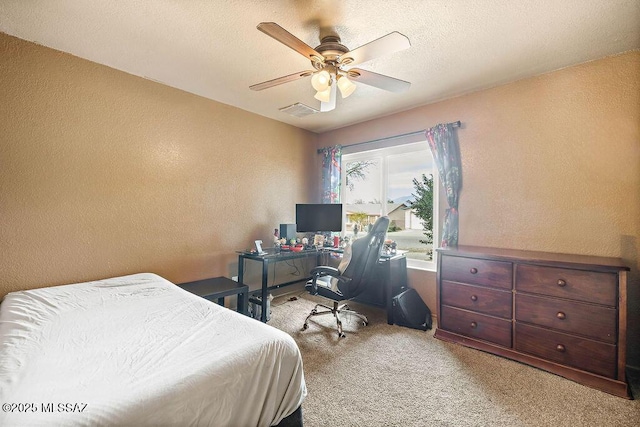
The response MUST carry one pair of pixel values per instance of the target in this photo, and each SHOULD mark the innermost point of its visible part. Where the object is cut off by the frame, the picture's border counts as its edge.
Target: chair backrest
(365, 253)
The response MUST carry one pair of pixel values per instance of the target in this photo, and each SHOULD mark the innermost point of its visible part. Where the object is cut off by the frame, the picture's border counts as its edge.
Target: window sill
(421, 265)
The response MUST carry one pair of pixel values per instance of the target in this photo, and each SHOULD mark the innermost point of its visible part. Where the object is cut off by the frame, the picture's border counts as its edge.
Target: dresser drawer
(476, 298)
(578, 285)
(592, 356)
(597, 322)
(497, 274)
(476, 325)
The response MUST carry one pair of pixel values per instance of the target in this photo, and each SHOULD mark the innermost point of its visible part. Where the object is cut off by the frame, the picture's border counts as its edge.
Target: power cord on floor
(284, 299)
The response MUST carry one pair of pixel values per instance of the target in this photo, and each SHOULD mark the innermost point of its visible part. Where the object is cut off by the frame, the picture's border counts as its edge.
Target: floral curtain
(446, 153)
(331, 166)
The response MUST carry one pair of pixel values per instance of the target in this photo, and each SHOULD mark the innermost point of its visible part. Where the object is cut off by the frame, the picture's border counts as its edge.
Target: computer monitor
(318, 218)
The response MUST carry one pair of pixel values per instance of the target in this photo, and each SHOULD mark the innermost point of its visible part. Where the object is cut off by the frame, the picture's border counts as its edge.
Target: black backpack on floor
(409, 310)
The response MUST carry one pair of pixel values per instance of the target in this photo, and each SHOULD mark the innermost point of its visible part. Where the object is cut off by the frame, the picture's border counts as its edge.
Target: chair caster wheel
(365, 323)
(341, 335)
(305, 326)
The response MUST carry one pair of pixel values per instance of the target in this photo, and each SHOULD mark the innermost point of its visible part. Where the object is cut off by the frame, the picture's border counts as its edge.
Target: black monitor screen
(318, 217)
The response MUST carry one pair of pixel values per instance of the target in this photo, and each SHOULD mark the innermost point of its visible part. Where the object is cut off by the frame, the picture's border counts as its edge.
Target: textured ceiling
(213, 49)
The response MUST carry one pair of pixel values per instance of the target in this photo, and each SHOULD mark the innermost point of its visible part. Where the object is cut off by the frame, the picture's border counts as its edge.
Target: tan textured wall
(103, 173)
(550, 163)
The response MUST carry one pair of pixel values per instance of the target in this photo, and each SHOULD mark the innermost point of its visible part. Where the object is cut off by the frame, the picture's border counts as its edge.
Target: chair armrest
(322, 271)
(325, 270)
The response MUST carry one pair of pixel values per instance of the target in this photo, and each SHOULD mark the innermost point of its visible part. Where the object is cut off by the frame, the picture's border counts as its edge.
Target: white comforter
(138, 350)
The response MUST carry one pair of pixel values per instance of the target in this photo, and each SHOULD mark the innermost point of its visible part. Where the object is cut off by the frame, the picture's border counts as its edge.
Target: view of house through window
(397, 182)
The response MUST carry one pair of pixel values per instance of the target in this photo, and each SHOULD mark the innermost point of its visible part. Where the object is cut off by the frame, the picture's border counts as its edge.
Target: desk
(271, 256)
(389, 279)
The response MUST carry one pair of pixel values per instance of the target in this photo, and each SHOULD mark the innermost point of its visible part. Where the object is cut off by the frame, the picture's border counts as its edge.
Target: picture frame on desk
(259, 247)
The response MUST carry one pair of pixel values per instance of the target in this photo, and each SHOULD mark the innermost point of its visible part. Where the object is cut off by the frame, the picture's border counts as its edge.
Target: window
(386, 181)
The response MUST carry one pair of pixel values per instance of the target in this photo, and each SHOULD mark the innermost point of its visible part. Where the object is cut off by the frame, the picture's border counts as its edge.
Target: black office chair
(350, 278)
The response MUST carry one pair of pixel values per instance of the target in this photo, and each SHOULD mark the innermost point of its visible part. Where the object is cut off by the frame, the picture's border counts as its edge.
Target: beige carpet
(383, 375)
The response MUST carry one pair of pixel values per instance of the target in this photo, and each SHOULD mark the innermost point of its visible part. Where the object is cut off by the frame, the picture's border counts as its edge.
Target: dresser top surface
(545, 258)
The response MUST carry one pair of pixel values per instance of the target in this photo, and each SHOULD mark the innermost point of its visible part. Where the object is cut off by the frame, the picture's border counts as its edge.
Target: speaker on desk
(288, 231)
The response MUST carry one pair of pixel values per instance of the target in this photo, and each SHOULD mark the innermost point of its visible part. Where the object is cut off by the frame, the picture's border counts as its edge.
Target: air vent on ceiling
(299, 110)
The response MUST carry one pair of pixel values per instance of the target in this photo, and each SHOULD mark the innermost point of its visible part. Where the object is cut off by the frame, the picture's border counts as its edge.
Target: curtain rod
(418, 132)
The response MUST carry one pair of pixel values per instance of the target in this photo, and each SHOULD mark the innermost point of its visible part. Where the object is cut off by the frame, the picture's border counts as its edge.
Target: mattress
(138, 350)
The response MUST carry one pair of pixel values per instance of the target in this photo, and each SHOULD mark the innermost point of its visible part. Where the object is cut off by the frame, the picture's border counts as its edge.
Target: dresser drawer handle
(473, 270)
(474, 298)
(474, 325)
(561, 315)
(560, 348)
(562, 283)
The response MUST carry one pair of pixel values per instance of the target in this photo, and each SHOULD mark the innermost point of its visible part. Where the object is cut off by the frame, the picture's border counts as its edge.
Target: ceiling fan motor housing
(331, 48)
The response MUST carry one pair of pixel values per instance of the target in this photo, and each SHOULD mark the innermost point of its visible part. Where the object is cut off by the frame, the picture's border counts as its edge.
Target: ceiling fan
(331, 61)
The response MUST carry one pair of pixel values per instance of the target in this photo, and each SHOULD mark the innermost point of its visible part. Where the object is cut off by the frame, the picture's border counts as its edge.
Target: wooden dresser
(565, 314)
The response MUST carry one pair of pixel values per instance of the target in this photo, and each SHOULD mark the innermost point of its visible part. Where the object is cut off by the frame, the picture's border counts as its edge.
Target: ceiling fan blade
(392, 42)
(331, 105)
(285, 37)
(280, 80)
(378, 80)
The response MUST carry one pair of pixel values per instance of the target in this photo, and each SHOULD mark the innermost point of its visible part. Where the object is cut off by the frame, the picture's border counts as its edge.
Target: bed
(138, 350)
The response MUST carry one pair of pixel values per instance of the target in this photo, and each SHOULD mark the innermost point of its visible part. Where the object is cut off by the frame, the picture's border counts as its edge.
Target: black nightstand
(217, 288)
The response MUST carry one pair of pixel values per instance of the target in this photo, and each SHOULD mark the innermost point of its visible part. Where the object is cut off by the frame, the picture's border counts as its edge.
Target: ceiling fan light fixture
(321, 80)
(324, 95)
(346, 86)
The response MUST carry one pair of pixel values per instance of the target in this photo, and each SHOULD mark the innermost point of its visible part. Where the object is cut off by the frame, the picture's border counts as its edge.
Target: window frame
(382, 154)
